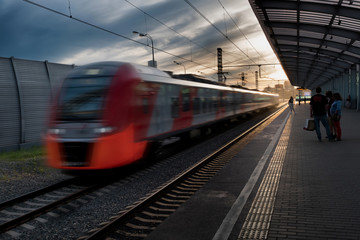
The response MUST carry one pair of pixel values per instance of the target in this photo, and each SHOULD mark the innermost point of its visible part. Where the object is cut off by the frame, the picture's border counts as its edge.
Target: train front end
(91, 126)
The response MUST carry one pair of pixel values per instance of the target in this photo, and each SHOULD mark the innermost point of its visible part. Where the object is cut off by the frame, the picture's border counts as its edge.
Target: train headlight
(56, 131)
(103, 130)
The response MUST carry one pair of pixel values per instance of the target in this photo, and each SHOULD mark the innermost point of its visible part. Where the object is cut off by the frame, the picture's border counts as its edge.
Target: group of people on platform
(327, 110)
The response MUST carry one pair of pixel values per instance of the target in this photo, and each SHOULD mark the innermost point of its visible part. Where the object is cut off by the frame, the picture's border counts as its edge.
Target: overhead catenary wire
(225, 35)
(130, 39)
(247, 65)
(245, 38)
(112, 32)
(213, 25)
(172, 29)
(232, 19)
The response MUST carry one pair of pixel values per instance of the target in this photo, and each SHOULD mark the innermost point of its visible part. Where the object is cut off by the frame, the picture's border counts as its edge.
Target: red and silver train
(109, 114)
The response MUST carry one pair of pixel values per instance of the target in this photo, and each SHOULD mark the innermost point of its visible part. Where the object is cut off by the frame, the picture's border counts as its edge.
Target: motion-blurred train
(110, 114)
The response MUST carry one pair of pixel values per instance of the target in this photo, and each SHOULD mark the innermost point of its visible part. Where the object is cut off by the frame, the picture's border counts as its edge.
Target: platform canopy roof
(315, 40)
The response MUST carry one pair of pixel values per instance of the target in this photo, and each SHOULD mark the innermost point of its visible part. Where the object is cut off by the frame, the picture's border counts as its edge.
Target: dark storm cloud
(30, 32)
(196, 32)
(206, 37)
(35, 31)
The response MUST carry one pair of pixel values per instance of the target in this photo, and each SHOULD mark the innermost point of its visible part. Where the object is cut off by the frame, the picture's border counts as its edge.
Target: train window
(231, 100)
(204, 105)
(197, 105)
(225, 102)
(247, 98)
(82, 98)
(222, 97)
(174, 107)
(215, 104)
(145, 105)
(209, 105)
(185, 99)
(238, 99)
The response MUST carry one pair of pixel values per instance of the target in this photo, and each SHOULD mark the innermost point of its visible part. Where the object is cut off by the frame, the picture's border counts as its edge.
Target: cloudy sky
(185, 31)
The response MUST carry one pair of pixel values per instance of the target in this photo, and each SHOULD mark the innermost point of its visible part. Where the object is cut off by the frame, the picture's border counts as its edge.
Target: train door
(185, 115)
(232, 103)
(238, 106)
(146, 95)
(199, 106)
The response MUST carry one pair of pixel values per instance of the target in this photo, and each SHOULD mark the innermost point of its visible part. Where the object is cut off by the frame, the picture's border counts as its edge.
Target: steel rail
(42, 210)
(36, 193)
(126, 215)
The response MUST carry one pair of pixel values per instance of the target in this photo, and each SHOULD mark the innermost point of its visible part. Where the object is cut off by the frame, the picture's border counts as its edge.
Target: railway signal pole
(220, 67)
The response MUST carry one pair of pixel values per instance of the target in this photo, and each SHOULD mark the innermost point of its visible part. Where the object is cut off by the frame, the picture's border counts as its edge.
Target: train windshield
(82, 98)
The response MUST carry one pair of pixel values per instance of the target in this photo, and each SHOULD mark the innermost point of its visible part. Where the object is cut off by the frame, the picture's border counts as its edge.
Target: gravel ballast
(75, 220)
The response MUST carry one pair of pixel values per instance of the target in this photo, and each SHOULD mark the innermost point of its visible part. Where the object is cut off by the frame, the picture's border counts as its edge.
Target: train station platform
(284, 184)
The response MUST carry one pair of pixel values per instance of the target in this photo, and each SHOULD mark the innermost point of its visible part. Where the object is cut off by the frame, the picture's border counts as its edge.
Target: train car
(109, 114)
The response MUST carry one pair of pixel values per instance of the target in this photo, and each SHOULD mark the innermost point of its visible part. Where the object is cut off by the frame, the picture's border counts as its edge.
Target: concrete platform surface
(283, 185)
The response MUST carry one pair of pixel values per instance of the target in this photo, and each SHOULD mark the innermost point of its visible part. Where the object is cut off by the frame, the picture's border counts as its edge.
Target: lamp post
(153, 64)
(181, 65)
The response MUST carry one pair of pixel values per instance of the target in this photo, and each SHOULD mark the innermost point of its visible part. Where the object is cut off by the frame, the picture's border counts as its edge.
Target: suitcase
(309, 125)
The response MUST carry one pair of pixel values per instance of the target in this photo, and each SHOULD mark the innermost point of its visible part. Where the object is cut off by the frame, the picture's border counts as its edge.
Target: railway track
(138, 219)
(141, 218)
(27, 207)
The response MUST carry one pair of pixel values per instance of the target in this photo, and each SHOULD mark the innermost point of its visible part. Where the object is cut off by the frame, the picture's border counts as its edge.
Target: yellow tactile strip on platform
(257, 222)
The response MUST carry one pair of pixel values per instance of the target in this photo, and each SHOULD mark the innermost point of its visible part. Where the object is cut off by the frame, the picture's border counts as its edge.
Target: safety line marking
(257, 223)
(232, 216)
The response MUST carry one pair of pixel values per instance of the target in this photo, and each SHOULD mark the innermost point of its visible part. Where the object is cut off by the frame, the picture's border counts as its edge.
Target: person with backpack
(318, 110)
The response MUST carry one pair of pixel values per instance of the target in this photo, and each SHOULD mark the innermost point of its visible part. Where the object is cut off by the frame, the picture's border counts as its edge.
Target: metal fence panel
(9, 107)
(57, 73)
(35, 87)
(26, 89)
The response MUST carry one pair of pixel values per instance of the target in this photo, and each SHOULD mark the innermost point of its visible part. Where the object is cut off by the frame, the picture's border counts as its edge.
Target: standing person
(318, 109)
(330, 98)
(335, 112)
(348, 102)
(291, 105)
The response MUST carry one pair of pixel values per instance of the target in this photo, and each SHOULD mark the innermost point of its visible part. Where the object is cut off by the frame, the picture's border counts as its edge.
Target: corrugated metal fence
(26, 90)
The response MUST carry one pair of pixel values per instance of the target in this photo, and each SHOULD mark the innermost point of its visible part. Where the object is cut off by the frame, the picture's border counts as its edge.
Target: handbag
(309, 125)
